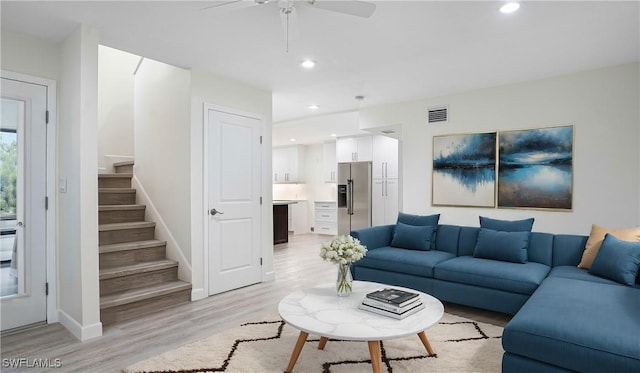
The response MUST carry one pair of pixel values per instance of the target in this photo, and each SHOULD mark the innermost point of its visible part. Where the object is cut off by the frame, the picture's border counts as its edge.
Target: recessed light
(292, 140)
(308, 64)
(313, 107)
(333, 135)
(509, 7)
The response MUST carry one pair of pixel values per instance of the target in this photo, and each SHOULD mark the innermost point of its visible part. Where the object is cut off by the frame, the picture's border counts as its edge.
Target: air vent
(387, 132)
(439, 114)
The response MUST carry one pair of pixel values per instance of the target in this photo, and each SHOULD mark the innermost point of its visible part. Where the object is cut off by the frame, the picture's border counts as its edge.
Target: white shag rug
(461, 345)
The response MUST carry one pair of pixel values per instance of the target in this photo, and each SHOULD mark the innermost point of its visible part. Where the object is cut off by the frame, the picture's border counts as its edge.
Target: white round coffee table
(321, 312)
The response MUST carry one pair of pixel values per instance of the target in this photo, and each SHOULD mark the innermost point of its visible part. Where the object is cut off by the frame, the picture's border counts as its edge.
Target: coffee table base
(374, 350)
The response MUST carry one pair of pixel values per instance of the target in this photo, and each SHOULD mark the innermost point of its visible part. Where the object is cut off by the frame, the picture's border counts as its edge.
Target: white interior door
(234, 172)
(22, 203)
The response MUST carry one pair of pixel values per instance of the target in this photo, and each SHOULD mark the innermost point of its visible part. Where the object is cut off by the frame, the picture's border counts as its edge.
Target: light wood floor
(297, 265)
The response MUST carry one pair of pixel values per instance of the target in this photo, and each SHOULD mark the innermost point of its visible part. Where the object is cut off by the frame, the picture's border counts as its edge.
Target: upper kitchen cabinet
(385, 157)
(330, 163)
(354, 149)
(288, 164)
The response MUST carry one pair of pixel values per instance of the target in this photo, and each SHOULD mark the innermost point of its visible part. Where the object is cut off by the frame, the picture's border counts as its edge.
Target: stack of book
(392, 302)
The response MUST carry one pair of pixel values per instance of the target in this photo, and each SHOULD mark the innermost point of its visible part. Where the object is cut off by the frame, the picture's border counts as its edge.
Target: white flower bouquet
(342, 250)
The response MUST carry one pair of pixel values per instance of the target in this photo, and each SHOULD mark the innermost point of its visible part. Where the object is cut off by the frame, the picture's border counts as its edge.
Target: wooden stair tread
(129, 225)
(122, 175)
(136, 268)
(116, 190)
(124, 163)
(138, 294)
(130, 246)
(120, 207)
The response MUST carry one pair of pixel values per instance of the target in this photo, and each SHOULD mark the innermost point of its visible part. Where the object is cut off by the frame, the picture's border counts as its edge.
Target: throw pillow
(507, 225)
(422, 220)
(597, 236)
(502, 246)
(617, 260)
(414, 237)
(418, 219)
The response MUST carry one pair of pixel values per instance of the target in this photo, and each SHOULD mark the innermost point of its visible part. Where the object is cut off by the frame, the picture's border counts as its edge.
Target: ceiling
(406, 50)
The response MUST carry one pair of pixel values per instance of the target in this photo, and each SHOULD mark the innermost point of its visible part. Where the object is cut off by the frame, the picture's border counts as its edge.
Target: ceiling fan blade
(352, 7)
(227, 4)
(289, 21)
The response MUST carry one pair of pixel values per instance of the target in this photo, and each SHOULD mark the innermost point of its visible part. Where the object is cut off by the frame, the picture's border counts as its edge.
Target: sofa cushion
(503, 246)
(597, 236)
(511, 277)
(447, 238)
(576, 273)
(412, 237)
(414, 262)
(617, 260)
(578, 325)
(507, 225)
(421, 220)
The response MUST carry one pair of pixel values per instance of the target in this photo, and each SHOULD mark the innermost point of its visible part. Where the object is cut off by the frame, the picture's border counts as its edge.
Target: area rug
(460, 345)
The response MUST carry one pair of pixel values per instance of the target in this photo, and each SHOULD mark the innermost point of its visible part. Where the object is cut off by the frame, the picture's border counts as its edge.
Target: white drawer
(326, 228)
(326, 205)
(327, 215)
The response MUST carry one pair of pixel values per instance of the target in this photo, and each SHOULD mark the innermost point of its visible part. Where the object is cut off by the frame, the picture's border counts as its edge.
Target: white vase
(344, 282)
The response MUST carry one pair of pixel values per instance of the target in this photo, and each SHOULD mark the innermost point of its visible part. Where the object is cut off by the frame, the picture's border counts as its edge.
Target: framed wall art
(535, 168)
(464, 170)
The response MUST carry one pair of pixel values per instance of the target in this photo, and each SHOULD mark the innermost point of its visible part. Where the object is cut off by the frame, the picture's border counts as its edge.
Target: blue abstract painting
(536, 168)
(464, 170)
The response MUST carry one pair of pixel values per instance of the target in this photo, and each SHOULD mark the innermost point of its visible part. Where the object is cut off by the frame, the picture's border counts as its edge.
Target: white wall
(162, 148)
(73, 64)
(29, 55)
(212, 89)
(115, 103)
(78, 208)
(603, 107)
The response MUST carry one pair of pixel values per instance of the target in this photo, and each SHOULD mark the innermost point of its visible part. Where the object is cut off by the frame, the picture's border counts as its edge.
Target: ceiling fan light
(308, 64)
(509, 7)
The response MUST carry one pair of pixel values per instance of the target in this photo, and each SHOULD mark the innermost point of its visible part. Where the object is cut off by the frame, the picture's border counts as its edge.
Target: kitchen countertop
(284, 202)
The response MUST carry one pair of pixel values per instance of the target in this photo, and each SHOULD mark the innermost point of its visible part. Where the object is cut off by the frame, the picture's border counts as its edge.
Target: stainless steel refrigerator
(354, 196)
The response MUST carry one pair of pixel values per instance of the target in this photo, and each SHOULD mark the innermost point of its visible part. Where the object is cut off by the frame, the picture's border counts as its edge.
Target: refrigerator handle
(349, 197)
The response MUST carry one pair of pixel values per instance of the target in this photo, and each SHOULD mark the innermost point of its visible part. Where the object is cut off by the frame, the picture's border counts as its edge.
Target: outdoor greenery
(8, 163)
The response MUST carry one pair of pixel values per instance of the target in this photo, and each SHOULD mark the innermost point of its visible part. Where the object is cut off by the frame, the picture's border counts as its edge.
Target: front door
(22, 203)
(233, 171)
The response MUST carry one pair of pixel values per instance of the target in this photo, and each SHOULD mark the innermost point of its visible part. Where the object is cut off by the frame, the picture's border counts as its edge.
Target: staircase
(135, 276)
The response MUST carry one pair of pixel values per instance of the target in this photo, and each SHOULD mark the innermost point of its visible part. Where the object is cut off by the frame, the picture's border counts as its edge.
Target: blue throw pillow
(617, 260)
(502, 246)
(507, 225)
(414, 237)
(422, 220)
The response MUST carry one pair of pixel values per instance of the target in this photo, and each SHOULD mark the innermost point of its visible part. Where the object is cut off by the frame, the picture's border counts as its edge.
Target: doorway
(233, 170)
(23, 200)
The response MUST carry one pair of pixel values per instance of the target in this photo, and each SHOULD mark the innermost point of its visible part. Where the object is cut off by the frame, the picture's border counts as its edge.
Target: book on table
(392, 296)
(390, 306)
(417, 306)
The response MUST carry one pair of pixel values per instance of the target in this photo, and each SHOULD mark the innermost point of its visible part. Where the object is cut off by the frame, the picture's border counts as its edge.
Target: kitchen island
(281, 221)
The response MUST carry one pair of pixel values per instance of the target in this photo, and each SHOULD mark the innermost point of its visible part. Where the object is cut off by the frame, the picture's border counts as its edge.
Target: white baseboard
(83, 333)
(197, 294)
(269, 276)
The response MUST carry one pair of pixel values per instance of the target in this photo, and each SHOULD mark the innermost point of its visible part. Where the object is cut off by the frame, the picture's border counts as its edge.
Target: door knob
(214, 212)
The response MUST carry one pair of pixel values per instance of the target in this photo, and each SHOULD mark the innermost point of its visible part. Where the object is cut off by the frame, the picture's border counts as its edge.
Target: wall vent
(439, 114)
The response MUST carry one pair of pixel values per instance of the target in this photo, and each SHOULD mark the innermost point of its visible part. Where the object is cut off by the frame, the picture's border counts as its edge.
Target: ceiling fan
(288, 14)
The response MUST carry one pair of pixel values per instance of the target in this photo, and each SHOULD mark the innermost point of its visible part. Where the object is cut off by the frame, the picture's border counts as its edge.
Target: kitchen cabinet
(298, 217)
(354, 149)
(280, 219)
(385, 158)
(326, 217)
(330, 162)
(384, 201)
(288, 164)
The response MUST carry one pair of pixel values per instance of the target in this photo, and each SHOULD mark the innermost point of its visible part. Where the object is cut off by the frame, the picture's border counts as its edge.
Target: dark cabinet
(280, 224)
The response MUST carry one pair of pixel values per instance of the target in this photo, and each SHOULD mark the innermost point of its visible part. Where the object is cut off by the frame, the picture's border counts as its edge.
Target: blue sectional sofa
(565, 319)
